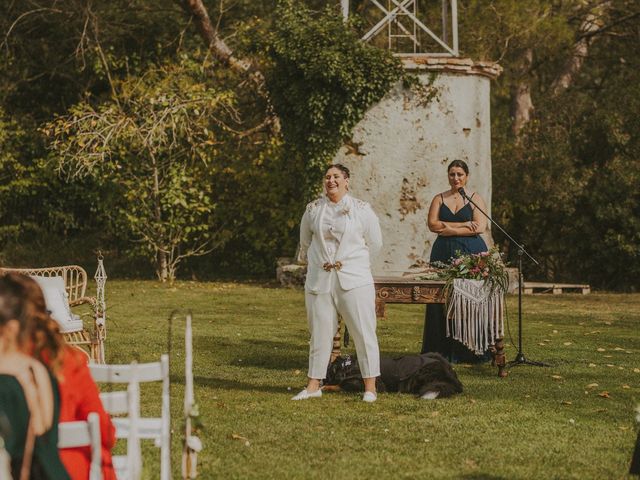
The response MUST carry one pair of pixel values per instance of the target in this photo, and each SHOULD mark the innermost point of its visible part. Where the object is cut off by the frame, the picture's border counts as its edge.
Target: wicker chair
(75, 281)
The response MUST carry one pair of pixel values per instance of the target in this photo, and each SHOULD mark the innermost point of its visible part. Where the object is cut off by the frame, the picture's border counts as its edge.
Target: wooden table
(412, 291)
(406, 290)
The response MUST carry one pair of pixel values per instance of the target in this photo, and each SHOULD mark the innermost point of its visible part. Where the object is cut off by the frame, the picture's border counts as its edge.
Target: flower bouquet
(486, 266)
(474, 291)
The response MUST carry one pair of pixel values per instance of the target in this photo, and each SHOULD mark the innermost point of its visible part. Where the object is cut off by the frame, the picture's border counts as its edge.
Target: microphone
(462, 192)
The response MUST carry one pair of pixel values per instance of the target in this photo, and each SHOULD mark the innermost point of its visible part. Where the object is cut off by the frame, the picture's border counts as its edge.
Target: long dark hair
(21, 299)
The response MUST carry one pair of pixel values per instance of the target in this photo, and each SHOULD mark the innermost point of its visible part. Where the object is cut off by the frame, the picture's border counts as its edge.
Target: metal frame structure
(401, 20)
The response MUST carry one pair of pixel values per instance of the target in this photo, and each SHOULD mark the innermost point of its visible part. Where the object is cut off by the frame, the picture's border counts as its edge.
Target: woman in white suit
(338, 235)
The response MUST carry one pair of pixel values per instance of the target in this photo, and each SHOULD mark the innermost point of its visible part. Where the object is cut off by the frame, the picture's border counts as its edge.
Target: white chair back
(154, 428)
(83, 434)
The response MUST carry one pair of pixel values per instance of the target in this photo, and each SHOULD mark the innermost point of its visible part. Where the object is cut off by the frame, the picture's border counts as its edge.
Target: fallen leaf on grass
(556, 377)
(607, 323)
(555, 331)
(435, 413)
(604, 394)
(470, 463)
(235, 436)
(608, 356)
(592, 385)
(592, 365)
(601, 350)
(636, 370)
(618, 349)
(626, 386)
(566, 344)
(542, 344)
(610, 365)
(297, 372)
(565, 402)
(623, 427)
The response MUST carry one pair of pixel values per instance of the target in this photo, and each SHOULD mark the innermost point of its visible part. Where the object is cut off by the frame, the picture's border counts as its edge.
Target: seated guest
(79, 394)
(29, 396)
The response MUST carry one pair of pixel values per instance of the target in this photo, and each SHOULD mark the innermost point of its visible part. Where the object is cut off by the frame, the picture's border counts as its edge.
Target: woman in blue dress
(458, 225)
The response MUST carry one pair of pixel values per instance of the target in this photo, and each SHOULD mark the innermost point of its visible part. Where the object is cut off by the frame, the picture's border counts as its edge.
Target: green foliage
(322, 80)
(558, 187)
(35, 205)
(568, 187)
(152, 143)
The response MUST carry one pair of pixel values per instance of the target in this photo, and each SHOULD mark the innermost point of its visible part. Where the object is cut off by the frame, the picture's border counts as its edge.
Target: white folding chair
(129, 466)
(84, 434)
(153, 428)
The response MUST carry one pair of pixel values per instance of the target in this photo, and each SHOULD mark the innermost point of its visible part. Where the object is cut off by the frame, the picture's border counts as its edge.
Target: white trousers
(358, 309)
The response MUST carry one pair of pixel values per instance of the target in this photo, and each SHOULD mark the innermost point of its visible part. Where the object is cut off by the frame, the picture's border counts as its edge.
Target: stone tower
(399, 152)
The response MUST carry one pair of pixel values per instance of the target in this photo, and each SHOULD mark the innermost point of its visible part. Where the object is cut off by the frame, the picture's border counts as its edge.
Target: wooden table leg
(335, 353)
(500, 358)
(380, 308)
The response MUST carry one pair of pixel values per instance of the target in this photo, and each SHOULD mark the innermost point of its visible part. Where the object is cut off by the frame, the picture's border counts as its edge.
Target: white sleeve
(305, 237)
(373, 234)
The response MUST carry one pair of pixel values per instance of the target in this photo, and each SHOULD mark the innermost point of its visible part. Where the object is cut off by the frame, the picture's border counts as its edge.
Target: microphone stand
(520, 358)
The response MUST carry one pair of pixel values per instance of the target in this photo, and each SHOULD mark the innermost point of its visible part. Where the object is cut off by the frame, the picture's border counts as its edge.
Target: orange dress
(79, 396)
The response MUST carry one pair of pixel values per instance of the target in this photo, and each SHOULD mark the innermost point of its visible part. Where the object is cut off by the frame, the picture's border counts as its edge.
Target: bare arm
(447, 229)
(478, 218)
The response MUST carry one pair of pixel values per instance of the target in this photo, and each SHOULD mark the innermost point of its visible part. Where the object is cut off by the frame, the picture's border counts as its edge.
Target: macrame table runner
(475, 315)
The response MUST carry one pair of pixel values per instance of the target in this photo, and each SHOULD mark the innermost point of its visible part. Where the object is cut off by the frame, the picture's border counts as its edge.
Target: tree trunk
(161, 255)
(197, 10)
(162, 267)
(217, 46)
(521, 103)
(589, 26)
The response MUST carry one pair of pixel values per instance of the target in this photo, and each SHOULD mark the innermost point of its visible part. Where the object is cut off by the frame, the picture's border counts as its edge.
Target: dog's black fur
(417, 374)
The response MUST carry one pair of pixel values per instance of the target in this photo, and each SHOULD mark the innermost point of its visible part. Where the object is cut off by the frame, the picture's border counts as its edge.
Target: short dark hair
(342, 168)
(460, 164)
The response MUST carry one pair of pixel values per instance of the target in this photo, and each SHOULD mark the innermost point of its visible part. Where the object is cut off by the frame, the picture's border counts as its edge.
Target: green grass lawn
(574, 419)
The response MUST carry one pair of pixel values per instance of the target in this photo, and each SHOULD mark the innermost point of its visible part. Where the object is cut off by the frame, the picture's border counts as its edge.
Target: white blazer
(361, 239)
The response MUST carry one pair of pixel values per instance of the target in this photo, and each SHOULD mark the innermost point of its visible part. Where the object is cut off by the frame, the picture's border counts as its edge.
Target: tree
(151, 144)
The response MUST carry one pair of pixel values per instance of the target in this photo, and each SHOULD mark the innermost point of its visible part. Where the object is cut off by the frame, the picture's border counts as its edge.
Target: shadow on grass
(226, 384)
(481, 476)
(272, 355)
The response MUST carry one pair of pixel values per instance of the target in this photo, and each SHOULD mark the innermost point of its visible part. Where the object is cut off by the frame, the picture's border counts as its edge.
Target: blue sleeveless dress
(434, 337)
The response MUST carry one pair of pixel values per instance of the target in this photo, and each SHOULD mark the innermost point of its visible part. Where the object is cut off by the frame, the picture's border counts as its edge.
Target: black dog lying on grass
(428, 375)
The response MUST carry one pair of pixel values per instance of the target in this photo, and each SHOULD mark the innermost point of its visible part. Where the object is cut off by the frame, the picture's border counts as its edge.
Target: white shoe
(430, 395)
(304, 395)
(369, 397)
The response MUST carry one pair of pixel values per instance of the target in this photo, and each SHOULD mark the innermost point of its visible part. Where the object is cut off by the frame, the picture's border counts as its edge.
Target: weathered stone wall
(400, 150)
